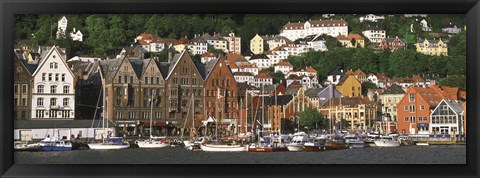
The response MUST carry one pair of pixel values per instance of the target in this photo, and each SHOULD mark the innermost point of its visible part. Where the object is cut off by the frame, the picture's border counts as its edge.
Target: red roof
(310, 69)
(355, 36)
(263, 75)
(284, 63)
(208, 54)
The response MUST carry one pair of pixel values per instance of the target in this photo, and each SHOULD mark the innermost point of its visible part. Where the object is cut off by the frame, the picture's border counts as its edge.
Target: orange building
(414, 108)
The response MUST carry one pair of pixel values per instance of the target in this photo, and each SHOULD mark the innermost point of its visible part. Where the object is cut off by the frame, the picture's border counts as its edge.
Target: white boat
(223, 148)
(387, 141)
(422, 143)
(153, 142)
(298, 142)
(354, 141)
(110, 143)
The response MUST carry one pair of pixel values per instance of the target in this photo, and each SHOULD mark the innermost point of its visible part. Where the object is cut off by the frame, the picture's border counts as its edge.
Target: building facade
(432, 47)
(298, 30)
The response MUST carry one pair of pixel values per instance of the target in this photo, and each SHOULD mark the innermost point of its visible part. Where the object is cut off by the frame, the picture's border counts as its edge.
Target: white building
(243, 77)
(308, 71)
(314, 42)
(447, 118)
(262, 61)
(334, 77)
(283, 67)
(451, 29)
(216, 41)
(234, 43)
(208, 56)
(53, 95)
(240, 67)
(371, 18)
(374, 34)
(62, 27)
(298, 30)
(276, 41)
(262, 79)
(151, 43)
(76, 35)
(425, 26)
(295, 49)
(373, 78)
(277, 53)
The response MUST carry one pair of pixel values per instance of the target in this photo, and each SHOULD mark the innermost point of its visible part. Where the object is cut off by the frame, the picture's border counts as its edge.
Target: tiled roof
(429, 95)
(401, 80)
(417, 78)
(298, 25)
(342, 37)
(243, 73)
(310, 69)
(208, 54)
(232, 57)
(259, 56)
(349, 102)
(313, 92)
(355, 36)
(294, 77)
(394, 89)
(284, 63)
(358, 72)
(263, 75)
(328, 23)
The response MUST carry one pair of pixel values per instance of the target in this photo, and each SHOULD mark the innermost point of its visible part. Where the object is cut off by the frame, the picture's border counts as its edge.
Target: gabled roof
(344, 78)
(294, 77)
(263, 75)
(456, 105)
(394, 89)
(298, 25)
(329, 22)
(390, 40)
(47, 54)
(232, 57)
(137, 65)
(29, 67)
(280, 99)
(284, 63)
(214, 63)
(349, 102)
(259, 56)
(355, 36)
(342, 37)
(336, 72)
(110, 67)
(208, 54)
(313, 92)
(401, 80)
(450, 25)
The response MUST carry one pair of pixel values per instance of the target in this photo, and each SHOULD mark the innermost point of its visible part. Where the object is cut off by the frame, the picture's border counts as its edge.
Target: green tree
(97, 34)
(277, 77)
(455, 81)
(367, 85)
(310, 118)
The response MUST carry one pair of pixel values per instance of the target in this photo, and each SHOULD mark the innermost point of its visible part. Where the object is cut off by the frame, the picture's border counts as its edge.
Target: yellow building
(257, 44)
(349, 86)
(359, 41)
(432, 47)
(344, 41)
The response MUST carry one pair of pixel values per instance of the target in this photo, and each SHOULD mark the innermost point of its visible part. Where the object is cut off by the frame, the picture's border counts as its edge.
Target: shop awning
(422, 125)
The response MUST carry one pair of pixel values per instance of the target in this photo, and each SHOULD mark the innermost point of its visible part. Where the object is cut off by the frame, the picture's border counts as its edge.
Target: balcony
(54, 107)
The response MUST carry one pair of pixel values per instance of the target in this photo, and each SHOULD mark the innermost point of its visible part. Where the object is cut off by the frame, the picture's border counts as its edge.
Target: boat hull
(295, 147)
(382, 143)
(54, 148)
(153, 145)
(223, 148)
(100, 146)
(267, 149)
(311, 148)
(421, 144)
(335, 146)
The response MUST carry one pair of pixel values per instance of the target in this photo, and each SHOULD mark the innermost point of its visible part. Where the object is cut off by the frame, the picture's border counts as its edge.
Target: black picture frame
(10, 7)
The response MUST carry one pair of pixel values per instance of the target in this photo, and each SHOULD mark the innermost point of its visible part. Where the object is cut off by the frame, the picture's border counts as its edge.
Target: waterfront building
(22, 84)
(294, 31)
(447, 118)
(432, 47)
(415, 107)
(349, 86)
(359, 113)
(390, 98)
(328, 92)
(220, 94)
(53, 90)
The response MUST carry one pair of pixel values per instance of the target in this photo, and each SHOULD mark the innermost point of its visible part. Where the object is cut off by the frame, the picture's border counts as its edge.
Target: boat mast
(151, 112)
(105, 110)
(193, 115)
(275, 111)
(263, 107)
(246, 111)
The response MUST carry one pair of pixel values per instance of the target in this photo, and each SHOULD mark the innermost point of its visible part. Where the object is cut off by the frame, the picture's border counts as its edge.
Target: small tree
(310, 118)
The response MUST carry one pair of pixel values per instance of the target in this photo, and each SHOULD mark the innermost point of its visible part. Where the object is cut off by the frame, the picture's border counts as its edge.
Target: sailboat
(153, 142)
(54, 143)
(108, 142)
(222, 147)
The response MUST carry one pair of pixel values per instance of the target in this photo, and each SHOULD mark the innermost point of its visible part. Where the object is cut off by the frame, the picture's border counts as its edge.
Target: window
(15, 102)
(422, 107)
(39, 113)
(49, 77)
(119, 79)
(24, 89)
(53, 89)
(51, 65)
(40, 89)
(40, 102)
(65, 101)
(63, 77)
(15, 88)
(406, 108)
(24, 101)
(151, 80)
(53, 101)
(66, 89)
(146, 80)
(406, 119)
(125, 79)
(44, 76)
(412, 119)
(412, 108)
(56, 77)
(412, 97)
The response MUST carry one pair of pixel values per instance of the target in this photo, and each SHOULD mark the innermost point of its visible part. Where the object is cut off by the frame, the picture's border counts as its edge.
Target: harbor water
(450, 154)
